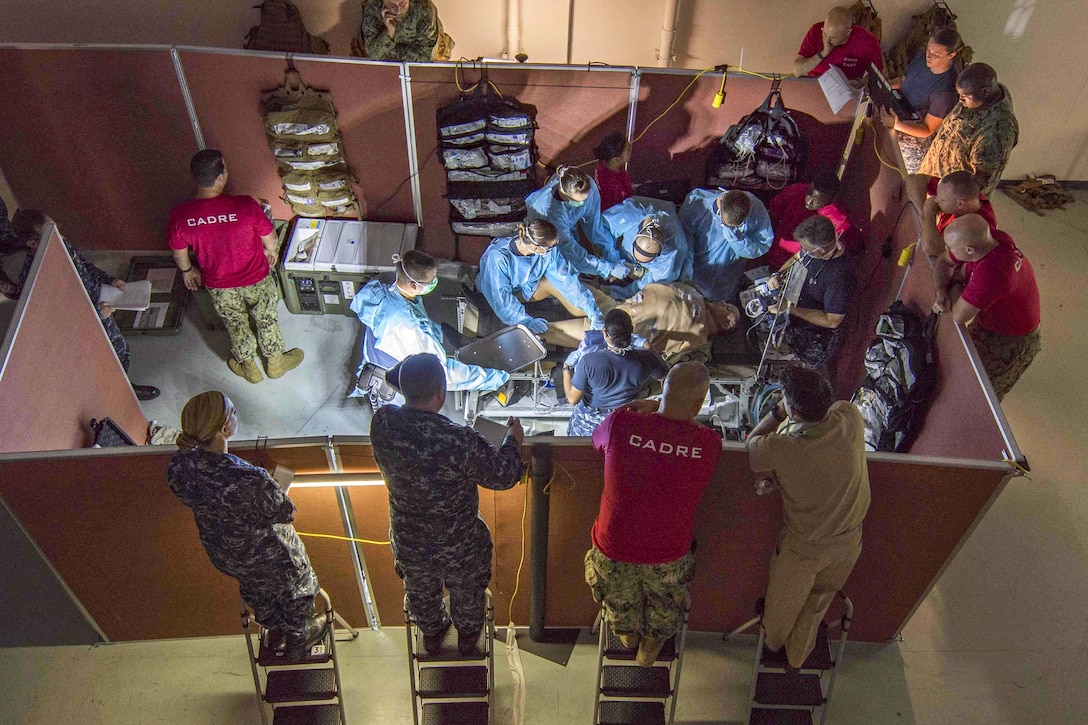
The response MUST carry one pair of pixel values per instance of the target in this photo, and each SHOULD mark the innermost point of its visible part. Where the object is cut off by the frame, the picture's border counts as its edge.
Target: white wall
(1045, 66)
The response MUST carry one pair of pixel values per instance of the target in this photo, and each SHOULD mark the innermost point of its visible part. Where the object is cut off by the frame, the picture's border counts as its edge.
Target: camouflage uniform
(8, 288)
(432, 468)
(244, 520)
(417, 34)
(235, 304)
(976, 140)
(644, 598)
(92, 278)
(1005, 357)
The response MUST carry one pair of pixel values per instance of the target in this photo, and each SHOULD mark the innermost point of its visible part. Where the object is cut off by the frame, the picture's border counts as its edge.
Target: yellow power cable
(661, 115)
(343, 538)
(880, 158)
(521, 561)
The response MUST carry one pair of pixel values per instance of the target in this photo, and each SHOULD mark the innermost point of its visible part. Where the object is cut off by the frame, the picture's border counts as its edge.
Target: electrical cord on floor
(876, 148)
(343, 538)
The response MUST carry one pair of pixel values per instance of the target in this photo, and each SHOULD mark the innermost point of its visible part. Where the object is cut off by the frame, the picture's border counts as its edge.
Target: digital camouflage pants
(467, 584)
(1005, 357)
(644, 598)
(235, 305)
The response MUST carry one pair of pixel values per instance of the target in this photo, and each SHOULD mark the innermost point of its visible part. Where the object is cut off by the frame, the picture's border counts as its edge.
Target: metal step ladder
(630, 693)
(449, 687)
(777, 696)
(301, 692)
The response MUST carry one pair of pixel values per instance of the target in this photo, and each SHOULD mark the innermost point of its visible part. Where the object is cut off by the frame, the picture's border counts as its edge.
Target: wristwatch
(820, 55)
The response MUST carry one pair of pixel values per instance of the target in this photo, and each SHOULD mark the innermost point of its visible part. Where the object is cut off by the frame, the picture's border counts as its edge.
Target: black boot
(299, 643)
(466, 642)
(433, 642)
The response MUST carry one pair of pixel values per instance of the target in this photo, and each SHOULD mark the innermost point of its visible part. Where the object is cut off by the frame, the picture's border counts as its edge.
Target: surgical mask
(429, 288)
(572, 202)
(426, 289)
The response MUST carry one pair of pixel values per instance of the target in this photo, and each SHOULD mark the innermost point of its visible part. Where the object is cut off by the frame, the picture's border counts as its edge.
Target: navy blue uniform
(432, 468)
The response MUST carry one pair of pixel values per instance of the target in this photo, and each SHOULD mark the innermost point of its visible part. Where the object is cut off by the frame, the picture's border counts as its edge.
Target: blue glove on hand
(537, 325)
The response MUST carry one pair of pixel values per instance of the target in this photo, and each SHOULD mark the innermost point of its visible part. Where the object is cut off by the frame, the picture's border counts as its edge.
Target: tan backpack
(304, 136)
(282, 29)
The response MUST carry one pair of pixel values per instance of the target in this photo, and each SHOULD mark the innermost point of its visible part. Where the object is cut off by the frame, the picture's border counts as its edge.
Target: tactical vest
(281, 28)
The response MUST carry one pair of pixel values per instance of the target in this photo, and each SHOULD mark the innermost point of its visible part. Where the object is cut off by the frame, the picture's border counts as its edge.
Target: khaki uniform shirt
(822, 473)
(674, 311)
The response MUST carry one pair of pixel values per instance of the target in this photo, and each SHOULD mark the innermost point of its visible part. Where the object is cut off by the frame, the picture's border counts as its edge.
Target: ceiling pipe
(668, 34)
(513, 28)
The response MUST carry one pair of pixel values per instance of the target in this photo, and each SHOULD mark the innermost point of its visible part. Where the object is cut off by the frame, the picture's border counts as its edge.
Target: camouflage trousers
(644, 598)
(466, 582)
(1005, 357)
(120, 344)
(235, 305)
(282, 605)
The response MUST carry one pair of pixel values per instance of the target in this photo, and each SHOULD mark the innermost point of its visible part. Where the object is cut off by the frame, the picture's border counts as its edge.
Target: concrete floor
(1002, 638)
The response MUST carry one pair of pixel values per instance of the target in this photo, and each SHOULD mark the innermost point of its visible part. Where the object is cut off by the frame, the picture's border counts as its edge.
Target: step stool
(630, 693)
(448, 687)
(303, 692)
(779, 697)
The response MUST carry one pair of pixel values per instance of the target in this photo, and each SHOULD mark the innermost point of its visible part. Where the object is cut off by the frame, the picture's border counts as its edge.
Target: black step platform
(300, 685)
(455, 713)
(761, 716)
(818, 659)
(453, 682)
(773, 688)
(449, 648)
(631, 713)
(307, 715)
(271, 658)
(625, 681)
(614, 649)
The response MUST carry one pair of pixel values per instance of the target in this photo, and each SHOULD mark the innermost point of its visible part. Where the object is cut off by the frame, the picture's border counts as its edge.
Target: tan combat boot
(648, 649)
(629, 640)
(277, 365)
(248, 369)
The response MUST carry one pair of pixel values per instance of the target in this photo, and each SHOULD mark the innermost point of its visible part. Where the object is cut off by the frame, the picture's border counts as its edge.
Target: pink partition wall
(99, 139)
(574, 108)
(61, 370)
(226, 90)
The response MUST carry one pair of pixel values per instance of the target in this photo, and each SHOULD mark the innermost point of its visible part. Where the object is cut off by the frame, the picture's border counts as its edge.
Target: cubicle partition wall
(114, 129)
(57, 366)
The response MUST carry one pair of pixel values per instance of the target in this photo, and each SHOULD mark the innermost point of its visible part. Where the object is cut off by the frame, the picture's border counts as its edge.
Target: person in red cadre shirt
(613, 153)
(956, 195)
(798, 202)
(988, 284)
(658, 462)
(838, 42)
(236, 248)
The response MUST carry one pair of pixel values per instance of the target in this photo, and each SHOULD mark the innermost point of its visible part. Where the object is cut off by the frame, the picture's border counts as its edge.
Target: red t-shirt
(787, 210)
(655, 472)
(985, 210)
(225, 232)
(852, 57)
(1002, 285)
(615, 186)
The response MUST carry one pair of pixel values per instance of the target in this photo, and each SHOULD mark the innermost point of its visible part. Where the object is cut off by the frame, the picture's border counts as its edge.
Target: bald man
(956, 195)
(838, 42)
(657, 463)
(985, 282)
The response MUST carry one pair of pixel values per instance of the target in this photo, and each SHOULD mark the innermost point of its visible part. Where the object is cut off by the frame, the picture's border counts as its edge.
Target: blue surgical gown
(719, 250)
(542, 204)
(399, 327)
(505, 275)
(675, 261)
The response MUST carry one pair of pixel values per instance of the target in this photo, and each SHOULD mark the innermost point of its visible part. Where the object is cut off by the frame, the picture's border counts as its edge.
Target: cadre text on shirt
(212, 219)
(664, 447)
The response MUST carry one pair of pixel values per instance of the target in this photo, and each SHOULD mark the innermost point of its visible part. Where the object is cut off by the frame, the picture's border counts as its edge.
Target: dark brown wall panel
(677, 145)
(226, 92)
(99, 139)
(62, 370)
(575, 108)
(919, 514)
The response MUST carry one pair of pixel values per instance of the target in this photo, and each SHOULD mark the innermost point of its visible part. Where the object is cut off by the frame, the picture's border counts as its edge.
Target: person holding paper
(838, 42)
(28, 226)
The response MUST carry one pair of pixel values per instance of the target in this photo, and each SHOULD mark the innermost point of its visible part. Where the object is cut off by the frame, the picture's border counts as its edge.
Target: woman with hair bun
(244, 521)
(612, 154)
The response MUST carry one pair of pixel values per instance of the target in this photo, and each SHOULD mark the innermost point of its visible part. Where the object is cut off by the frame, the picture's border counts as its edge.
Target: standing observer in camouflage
(244, 520)
(432, 468)
(978, 135)
(406, 30)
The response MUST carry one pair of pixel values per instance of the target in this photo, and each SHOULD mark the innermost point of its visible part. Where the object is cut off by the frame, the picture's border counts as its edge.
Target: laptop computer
(884, 96)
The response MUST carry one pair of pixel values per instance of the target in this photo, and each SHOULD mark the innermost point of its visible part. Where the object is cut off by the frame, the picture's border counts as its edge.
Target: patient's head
(421, 379)
(686, 387)
(722, 317)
